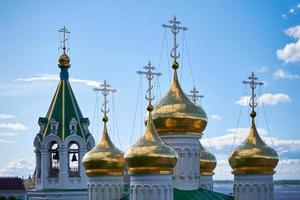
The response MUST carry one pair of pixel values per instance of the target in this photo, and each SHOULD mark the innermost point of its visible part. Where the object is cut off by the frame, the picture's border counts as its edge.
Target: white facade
(150, 187)
(105, 187)
(206, 181)
(187, 170)
(253, 187)
(71, 183)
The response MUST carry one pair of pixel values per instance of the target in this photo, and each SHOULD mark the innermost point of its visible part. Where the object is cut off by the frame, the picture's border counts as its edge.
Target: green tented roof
(63, 108)
(200, 194)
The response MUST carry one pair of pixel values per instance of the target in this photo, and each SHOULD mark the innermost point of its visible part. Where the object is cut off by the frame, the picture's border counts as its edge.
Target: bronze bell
(74, 158)
(56, 155)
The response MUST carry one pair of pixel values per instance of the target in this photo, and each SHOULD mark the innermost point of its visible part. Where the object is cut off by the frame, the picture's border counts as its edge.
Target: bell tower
(62, 141)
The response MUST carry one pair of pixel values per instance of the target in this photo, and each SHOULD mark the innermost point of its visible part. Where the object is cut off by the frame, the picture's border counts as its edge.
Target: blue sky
(226, 41)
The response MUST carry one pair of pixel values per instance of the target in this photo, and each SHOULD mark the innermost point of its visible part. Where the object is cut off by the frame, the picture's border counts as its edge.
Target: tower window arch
(54, 160)
(73, 159)
(73, 126)
(54, 126)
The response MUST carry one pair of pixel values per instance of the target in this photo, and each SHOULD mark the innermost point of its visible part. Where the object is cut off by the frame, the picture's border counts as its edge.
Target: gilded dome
(253, 156)
(150, 154)
(176, 113)
(105, 158)
(207, 161)
(64, 61)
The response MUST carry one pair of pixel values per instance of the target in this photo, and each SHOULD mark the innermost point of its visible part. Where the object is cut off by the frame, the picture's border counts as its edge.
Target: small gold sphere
(253, 114)
(64, 61)
(149, 108)
(175, 65)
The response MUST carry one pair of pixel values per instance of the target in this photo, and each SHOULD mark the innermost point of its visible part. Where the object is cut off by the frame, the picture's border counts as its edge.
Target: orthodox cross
(149, 75)
(195, 95)
(65, 31)
(105, 89)
(253, 84)
(175, 28)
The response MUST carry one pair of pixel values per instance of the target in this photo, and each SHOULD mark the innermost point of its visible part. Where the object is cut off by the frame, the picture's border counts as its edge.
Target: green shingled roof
(63, 109)
(200, 194)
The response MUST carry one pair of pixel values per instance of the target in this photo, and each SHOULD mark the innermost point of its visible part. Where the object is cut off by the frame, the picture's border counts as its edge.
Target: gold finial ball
(105, 119)
(253, 114)
(64, 61)
(175, 65)
(150, 108)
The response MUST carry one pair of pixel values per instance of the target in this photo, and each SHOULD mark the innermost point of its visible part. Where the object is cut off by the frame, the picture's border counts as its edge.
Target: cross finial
(149, 75)
(253, 83)
(65, 31)
(175, 28)
(195, 95)
(105, 89)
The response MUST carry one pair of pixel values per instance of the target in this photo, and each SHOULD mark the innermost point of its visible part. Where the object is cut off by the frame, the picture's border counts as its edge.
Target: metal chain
(136, 108)
(238, 122)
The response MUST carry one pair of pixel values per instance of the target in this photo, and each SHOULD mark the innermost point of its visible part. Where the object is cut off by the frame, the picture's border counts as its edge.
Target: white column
(186, 172)
(37, 167)
(44, 168)
(149, 187)
(63, 167)
(82, 173)
(206, 181)
(105, 187)
(253, 187)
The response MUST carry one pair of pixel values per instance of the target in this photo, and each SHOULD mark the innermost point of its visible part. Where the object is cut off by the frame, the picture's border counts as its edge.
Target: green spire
(64, 117)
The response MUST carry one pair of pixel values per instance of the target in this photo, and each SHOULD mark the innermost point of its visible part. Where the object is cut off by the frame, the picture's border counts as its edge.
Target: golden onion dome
(177, 114)
(64, 60)
(105, 158)
(207, 161)
(253, 156)
(150, 154)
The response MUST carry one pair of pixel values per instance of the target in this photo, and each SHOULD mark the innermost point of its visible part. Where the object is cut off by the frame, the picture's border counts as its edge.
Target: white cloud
(266, 99)
(18, 167)
(7, 142)
(8, 134)
(55, 77)
(216, 117)
(292, 10)
(234, 137)
(14, 126)
(263, 69)
(283, 170)
(284, 16)
(280, 74)
(273, 99)
(291, 52)
(5, 116)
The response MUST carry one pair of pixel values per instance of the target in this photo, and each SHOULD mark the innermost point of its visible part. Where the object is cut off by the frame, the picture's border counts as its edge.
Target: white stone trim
(105, 187)
(253, 187)
(148, 187)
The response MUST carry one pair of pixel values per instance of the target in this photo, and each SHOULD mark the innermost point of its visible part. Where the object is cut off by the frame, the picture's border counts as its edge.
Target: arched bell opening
(73, 159)
(54, 160)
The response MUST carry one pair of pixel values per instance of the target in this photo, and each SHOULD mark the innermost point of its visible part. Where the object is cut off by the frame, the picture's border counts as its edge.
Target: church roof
(64, 111)
(11, 183)
(200, 194)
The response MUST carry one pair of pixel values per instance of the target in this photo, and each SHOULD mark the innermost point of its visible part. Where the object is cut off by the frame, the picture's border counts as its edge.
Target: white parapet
(105, 187)
(206, 181)
(150, 187)
(187, 170)
(253, 187)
